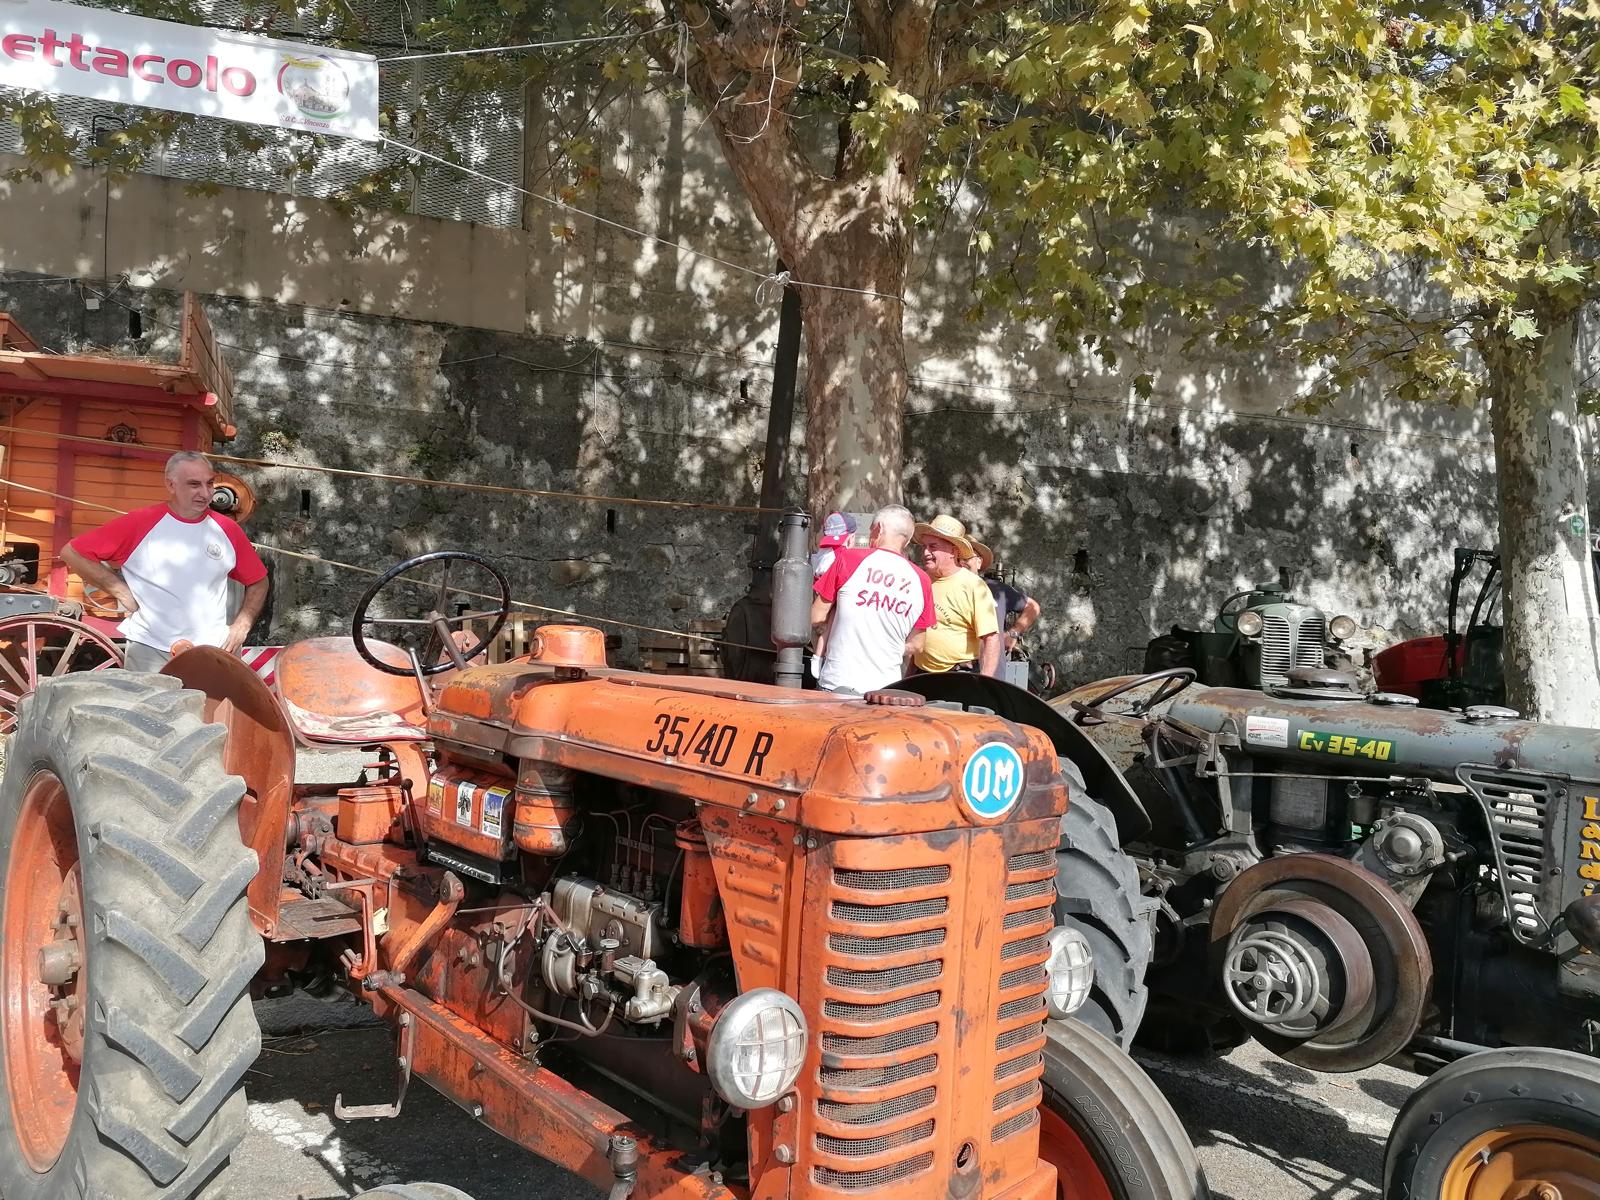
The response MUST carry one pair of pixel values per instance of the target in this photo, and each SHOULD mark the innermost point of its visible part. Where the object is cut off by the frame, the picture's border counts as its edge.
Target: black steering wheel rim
(1181, 676)
(360, 620)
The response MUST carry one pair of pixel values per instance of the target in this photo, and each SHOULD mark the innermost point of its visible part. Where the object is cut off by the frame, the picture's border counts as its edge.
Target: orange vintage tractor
(684, 937)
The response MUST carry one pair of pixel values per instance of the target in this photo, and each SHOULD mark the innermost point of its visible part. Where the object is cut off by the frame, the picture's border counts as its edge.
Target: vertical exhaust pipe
(791, 600)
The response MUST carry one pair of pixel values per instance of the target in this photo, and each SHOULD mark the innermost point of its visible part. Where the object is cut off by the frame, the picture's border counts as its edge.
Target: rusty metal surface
(304, 918)
(828, 764)
(1401, 960)
(332, 696)
(1424, 742)
(534, 1107)
(260, 750)
(803, 801)
(921, 961)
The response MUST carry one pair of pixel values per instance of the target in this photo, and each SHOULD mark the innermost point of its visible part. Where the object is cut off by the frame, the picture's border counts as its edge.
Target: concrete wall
(594, 362)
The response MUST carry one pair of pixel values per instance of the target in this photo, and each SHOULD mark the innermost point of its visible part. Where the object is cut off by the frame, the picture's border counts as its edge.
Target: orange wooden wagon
(81, 434)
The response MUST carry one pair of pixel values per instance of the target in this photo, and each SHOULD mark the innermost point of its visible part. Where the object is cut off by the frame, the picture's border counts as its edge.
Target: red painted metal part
(1078, 1176)
(41, 1066)
(534, 1107)
(260, 750)
(35, 647)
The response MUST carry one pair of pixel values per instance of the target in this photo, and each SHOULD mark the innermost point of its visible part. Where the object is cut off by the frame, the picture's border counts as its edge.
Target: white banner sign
(66, 50)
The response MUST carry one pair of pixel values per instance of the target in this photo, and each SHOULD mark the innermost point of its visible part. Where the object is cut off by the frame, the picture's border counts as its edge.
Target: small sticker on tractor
(992, 780)
(494, 803)
(436, 796)
(1267, 731)
(464, 794)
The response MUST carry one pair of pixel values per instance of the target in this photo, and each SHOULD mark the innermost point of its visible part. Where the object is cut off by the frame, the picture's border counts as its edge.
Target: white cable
(613, 37)
(767, 277)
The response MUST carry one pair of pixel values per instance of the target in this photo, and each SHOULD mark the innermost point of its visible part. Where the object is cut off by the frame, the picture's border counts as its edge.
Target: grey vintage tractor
(1257, 637)
(1348, 879)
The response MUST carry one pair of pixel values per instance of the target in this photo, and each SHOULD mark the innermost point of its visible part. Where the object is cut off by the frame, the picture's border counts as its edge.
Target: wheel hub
(1297, 968)
(42, 976)
(1530, 1162)
(61, 967)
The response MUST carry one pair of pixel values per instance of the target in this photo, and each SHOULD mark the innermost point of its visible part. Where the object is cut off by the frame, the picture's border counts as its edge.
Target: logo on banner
(992, 780)
(317, 86)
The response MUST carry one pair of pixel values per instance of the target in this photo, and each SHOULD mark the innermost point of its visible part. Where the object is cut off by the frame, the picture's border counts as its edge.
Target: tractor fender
(259, 748)
(1104, 780)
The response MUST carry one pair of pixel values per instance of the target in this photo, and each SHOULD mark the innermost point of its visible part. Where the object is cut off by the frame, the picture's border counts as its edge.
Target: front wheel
(1504, 1124)
(126, 950)
(1106, 1128)
(1097, 894)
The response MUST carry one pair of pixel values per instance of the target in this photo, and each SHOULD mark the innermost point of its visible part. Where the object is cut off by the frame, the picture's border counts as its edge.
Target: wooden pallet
(667, 654)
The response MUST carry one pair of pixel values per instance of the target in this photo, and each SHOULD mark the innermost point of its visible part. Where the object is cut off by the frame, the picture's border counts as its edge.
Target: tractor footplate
(307, 919)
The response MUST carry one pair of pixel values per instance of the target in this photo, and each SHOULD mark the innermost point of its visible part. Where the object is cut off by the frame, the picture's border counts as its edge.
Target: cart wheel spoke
(64, 663)
(32, 661)
(11, 670)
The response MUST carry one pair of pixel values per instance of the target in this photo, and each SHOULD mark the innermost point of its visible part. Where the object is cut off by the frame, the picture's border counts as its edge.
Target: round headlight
(1071, 971)
(1249, 623)
(1342, 627)
(757, 1048)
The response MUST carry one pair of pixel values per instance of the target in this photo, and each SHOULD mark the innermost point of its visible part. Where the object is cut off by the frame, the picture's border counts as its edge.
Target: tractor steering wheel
(1224, 612)
(1173, 680)
(437, 630)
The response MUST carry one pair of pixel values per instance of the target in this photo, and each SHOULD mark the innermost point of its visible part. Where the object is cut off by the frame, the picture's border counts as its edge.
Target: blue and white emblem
(991, 782)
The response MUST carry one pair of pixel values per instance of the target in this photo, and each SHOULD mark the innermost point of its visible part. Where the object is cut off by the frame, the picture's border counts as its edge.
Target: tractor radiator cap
(1320, 683)
(1482, 714)
(1397, 699)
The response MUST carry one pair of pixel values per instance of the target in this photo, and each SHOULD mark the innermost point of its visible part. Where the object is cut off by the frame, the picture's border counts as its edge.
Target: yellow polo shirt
(963, 611)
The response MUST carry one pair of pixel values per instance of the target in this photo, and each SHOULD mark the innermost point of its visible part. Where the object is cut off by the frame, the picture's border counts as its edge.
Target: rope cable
(416, 480)
(368, 571)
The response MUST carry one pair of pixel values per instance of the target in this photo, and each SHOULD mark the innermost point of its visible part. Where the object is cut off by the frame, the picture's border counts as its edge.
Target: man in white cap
(964, 636)
(874, 607)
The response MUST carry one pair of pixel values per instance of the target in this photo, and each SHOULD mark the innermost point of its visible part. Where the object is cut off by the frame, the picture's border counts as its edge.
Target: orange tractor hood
(809, 758)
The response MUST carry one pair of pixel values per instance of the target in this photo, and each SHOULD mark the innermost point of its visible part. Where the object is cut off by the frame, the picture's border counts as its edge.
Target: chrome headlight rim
(1069, 971)
(1342, 627)
(1249, 623)
(729, 1037)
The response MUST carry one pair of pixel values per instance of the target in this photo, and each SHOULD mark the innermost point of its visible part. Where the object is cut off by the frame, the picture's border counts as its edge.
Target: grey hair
(184, 456)
(895, 519)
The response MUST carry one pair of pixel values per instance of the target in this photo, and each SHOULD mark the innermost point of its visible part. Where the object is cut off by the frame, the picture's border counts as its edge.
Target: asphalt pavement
(1265, 1130)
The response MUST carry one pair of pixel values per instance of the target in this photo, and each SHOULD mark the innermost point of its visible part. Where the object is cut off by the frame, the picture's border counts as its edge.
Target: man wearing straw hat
(964, 636)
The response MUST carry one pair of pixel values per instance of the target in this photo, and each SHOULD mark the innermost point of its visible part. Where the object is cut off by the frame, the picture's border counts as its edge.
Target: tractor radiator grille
(924, 962)
(1518, 811)
(1311, 643)
(1288, 642)
(884, 1014)
(1030, 913)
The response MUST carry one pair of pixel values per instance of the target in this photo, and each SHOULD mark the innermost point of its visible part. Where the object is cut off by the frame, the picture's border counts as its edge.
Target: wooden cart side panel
(117, 475)
(14, 336)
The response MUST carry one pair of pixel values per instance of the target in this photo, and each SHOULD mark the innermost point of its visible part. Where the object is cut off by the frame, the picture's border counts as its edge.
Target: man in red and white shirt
(175, 561)
(876, 605)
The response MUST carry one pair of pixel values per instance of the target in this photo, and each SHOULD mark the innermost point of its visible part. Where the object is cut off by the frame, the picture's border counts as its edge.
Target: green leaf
(1523, 328)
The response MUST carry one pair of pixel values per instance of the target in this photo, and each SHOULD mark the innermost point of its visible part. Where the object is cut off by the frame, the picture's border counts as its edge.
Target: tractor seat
(335, 697)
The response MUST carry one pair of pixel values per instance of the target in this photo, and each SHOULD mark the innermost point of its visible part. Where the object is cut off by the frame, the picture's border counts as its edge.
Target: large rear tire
(1105, 1126)
(1097, 893)
(128, 950)
(1501, 1124)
